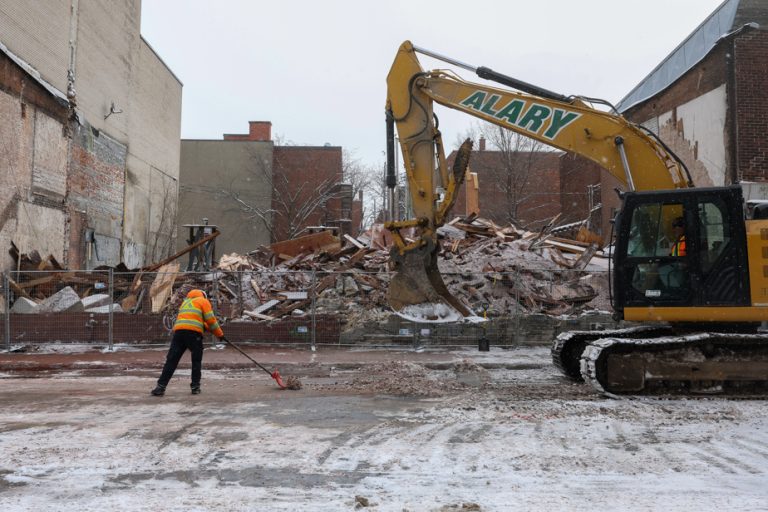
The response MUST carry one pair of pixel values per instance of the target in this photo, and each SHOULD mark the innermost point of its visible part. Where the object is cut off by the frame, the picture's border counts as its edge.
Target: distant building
(708, 101)
(90, 122)
(520, 187)
(258, 193)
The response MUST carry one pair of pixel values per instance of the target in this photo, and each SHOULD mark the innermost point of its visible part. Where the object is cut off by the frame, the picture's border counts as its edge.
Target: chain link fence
(308, 308)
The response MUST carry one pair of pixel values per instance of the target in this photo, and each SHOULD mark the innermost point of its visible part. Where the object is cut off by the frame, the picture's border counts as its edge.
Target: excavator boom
(565, 123)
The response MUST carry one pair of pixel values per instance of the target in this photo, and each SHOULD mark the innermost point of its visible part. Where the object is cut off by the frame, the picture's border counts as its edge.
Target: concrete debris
(404, 378)
(105, 309)
(65, 300)
(96, 300)
(24, 306)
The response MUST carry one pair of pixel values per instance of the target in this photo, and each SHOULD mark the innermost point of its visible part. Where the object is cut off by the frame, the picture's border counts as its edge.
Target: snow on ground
(507, 434)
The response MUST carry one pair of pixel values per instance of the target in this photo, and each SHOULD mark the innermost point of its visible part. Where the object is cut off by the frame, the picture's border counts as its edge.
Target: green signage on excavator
(528, 115)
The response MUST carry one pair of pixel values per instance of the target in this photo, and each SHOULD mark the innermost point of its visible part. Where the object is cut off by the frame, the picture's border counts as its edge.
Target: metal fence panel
(304, 308)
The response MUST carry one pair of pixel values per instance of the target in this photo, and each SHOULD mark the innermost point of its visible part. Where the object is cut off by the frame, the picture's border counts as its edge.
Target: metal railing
(309, 308)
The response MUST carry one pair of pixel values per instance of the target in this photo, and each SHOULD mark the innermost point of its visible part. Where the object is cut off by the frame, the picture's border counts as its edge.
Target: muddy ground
(388, 430)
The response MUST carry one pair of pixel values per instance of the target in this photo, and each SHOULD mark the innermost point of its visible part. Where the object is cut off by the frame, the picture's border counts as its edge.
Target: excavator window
(714, 232)
(655, 238)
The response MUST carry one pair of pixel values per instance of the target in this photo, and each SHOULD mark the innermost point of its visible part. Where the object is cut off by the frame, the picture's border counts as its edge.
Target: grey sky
(316, 69)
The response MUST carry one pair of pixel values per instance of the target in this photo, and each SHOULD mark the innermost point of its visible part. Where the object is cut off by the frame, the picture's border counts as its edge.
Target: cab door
(650, 267)
(655, 264)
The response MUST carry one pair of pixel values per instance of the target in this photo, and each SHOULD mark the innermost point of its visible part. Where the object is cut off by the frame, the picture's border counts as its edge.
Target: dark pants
(183, 340)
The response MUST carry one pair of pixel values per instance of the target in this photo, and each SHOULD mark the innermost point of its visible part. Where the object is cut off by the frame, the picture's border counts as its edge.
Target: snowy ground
(467, 431)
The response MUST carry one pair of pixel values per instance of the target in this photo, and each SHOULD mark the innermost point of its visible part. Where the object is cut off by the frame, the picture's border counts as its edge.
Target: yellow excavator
(687, 264)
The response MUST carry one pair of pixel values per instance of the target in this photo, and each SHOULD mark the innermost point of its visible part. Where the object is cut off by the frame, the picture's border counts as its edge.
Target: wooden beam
(154, 267)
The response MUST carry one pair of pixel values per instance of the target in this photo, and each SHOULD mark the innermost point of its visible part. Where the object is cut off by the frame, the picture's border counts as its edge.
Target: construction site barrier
(107, 309)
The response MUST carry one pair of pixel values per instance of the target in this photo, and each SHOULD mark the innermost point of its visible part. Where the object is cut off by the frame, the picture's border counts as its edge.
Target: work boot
(158, 391)
(195, 389)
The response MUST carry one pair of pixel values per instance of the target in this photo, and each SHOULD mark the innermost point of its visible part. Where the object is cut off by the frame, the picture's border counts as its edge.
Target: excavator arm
(627, 151)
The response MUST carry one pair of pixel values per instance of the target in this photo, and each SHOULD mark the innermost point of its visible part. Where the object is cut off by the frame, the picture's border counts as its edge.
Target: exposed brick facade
(751, 96)
(304, 188)
(76, 171)
(16, 82)
(96, 183)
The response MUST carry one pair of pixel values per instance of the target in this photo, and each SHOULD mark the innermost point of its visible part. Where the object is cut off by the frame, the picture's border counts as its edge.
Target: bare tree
(256, 209)
(164, 239)
(514, 167)
(367, 181)
(511, 169)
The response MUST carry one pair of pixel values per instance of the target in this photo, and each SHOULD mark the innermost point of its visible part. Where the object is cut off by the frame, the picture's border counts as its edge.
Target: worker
(195, 316)
(678, 228)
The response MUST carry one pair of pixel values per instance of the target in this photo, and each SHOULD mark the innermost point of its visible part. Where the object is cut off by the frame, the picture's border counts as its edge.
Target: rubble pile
(404, 378)
(495, 270)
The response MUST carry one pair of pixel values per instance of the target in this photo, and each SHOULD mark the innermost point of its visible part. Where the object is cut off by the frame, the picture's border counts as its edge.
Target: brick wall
(96, 185)
(537, 201)
(302, 175)
(33, 162)
(751, 80)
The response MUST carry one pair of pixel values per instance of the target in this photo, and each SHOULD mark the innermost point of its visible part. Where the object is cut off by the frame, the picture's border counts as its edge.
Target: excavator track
(704, 363)
(569, 346)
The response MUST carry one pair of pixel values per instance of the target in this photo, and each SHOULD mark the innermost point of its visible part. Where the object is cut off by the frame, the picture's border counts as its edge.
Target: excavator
(689, 269)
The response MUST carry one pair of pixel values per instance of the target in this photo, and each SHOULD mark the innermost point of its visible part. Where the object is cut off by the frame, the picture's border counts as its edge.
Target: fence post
(518, 308)
(240, 306)
(110, 328)
(217, 274)
(7, 315)
(313, 336)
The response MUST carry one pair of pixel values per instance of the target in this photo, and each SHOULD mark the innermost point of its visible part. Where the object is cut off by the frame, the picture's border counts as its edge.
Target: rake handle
(246, 355)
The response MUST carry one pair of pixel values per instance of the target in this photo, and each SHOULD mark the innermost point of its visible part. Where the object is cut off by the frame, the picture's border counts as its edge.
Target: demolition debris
(494, 270)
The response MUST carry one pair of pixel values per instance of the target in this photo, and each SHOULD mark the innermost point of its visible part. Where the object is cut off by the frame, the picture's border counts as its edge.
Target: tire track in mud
(720, 459)
(404, 446)
(753, 446)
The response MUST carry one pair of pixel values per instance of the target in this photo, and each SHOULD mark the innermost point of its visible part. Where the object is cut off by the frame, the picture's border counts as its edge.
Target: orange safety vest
(196, 314)
(678, 249)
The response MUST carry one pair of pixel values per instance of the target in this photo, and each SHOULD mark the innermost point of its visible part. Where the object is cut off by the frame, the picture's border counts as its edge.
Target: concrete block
(96, 300)
(24, 306)
(105, 309)
(63, 301)
(346, 285)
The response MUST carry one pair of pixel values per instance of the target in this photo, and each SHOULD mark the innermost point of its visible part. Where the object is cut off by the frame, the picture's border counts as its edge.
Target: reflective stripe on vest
(189, 316)
(679, 248)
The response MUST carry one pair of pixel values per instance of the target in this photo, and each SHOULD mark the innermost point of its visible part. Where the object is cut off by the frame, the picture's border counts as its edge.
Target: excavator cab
(680, 249)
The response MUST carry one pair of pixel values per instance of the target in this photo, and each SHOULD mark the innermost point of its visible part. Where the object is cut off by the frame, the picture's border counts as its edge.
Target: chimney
(481, 144)
(260, 131)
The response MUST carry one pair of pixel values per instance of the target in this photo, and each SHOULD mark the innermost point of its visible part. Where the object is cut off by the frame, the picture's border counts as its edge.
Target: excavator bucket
(418, 280)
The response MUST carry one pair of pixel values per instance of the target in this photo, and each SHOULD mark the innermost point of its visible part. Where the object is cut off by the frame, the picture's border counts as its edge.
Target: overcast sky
(317, 69)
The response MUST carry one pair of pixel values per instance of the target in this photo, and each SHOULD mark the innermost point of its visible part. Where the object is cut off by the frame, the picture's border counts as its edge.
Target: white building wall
(695, 131)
